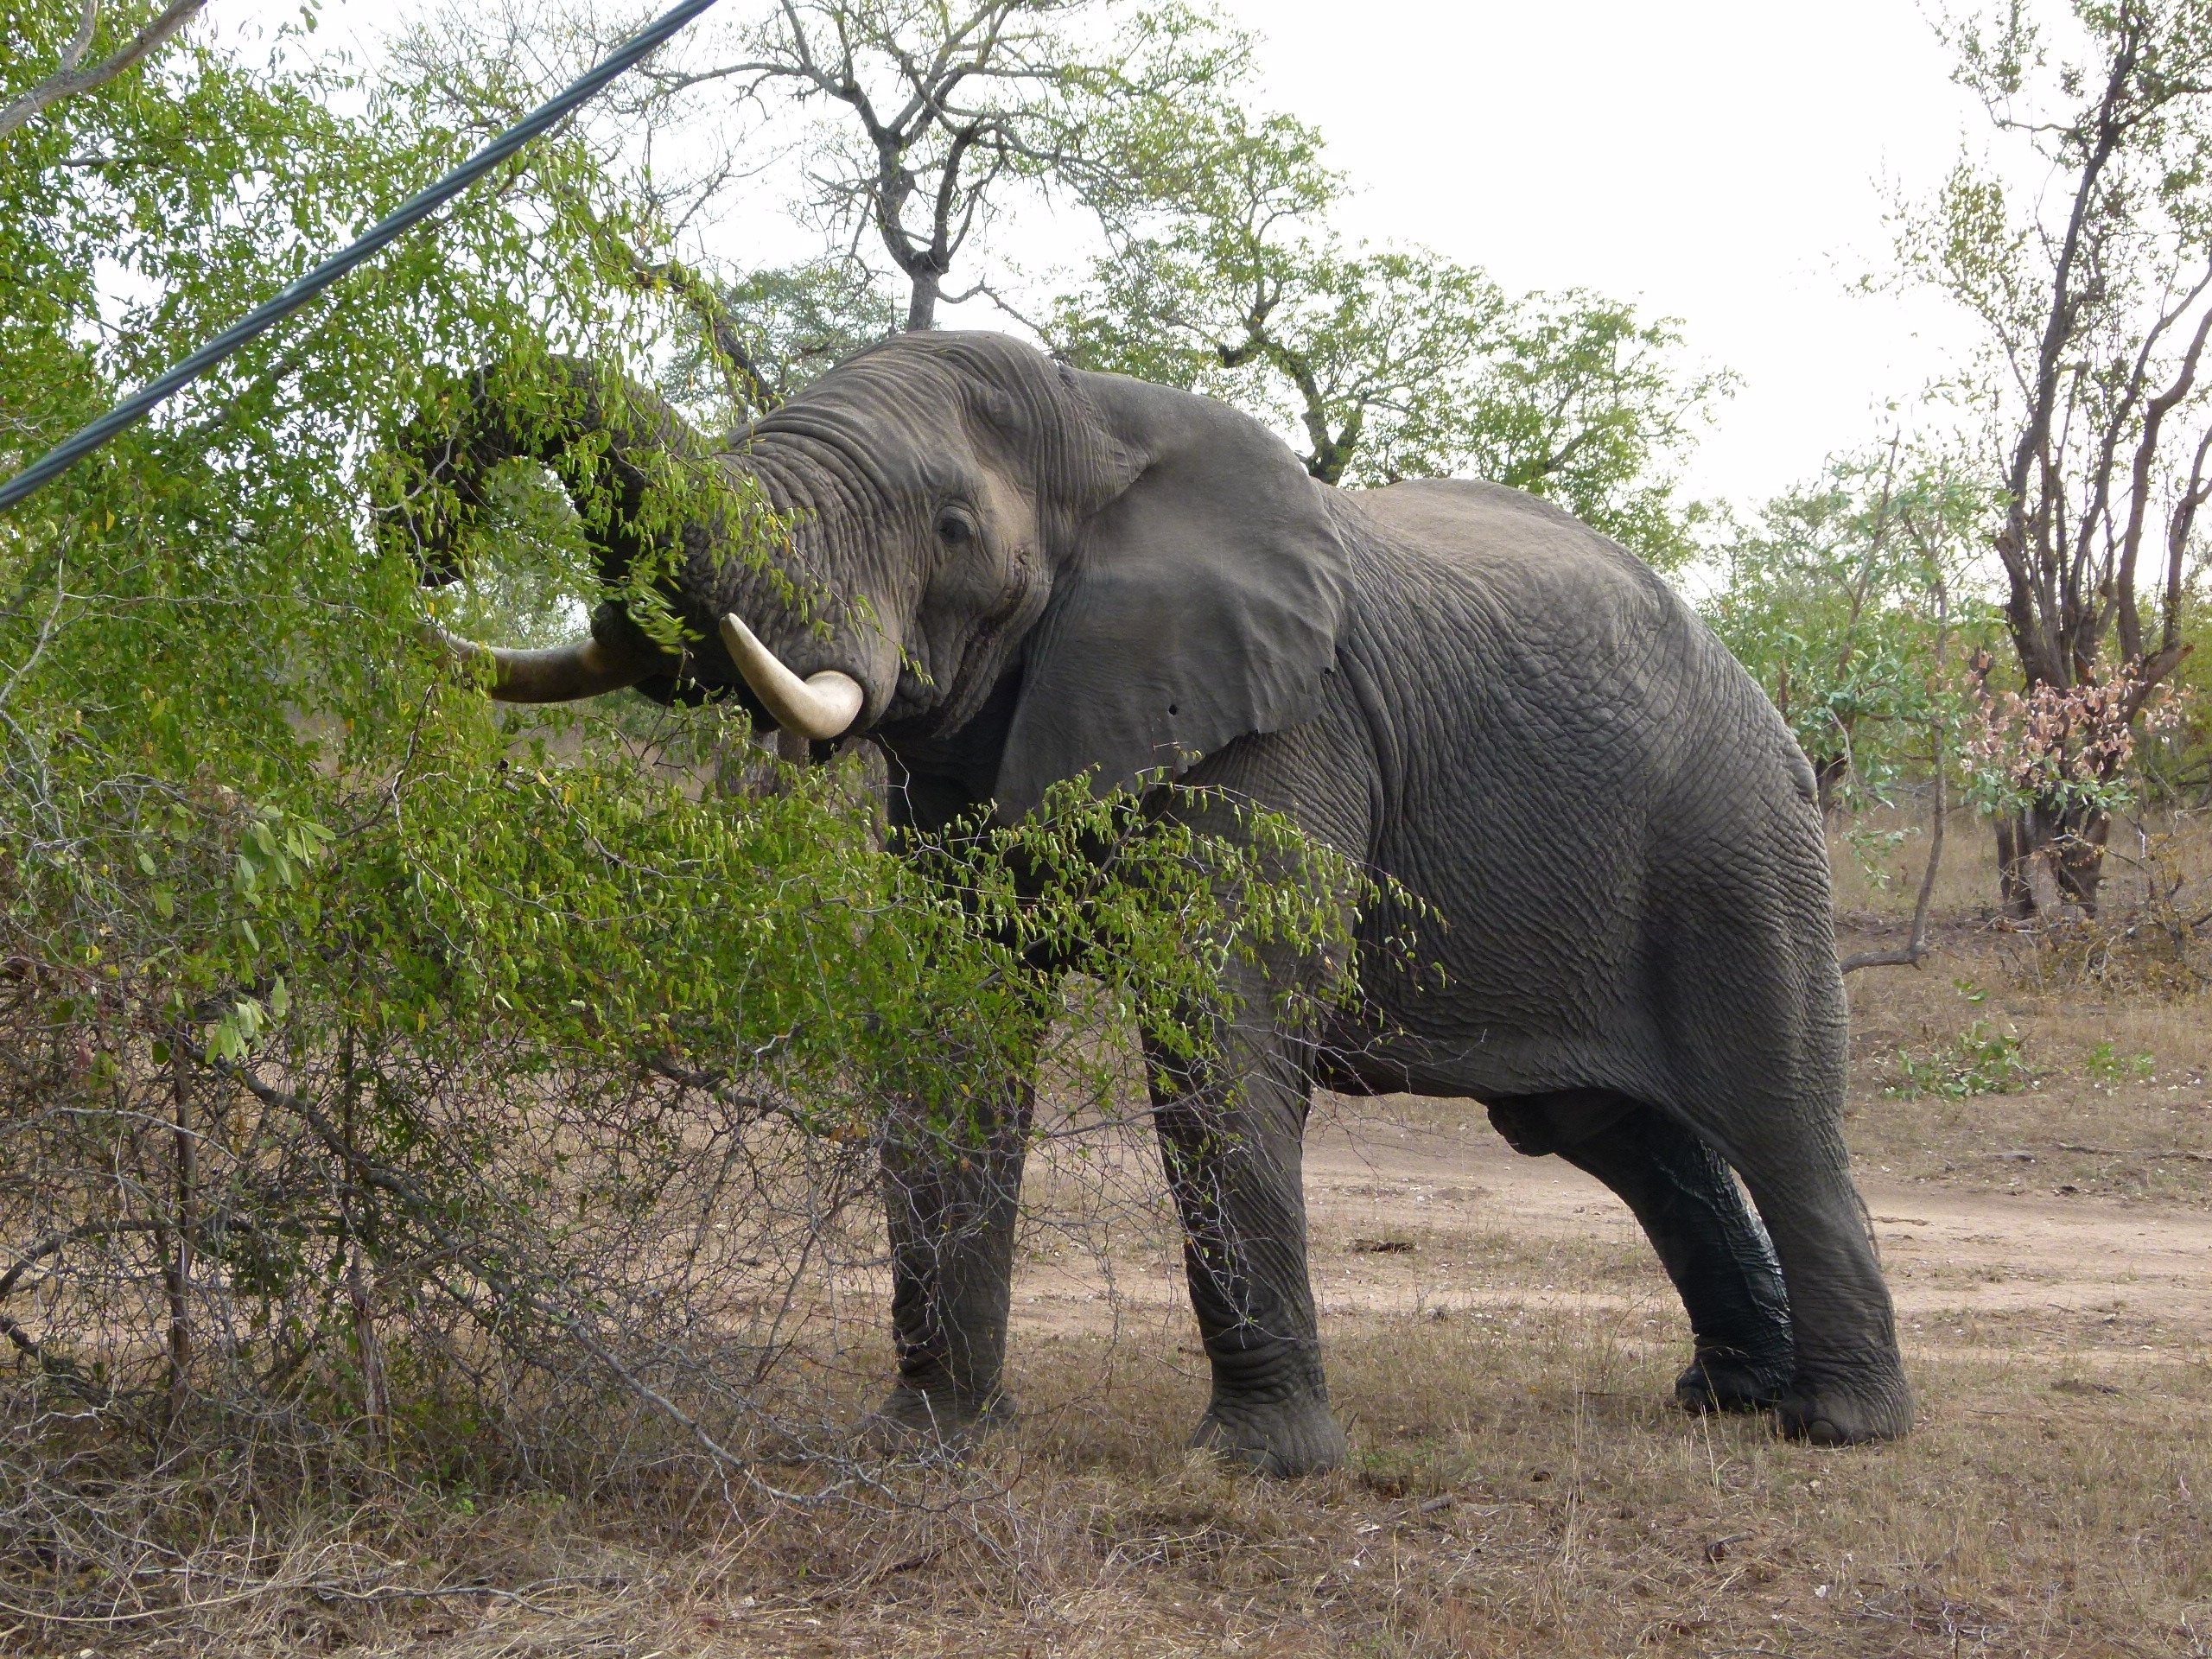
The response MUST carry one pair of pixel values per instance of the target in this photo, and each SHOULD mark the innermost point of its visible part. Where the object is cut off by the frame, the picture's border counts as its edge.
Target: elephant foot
(1874, 1404)
(1727, 1379)
(934, 1422)
(1284, 1439)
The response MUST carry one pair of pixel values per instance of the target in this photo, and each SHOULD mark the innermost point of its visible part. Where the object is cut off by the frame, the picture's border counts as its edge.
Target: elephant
(1046, 573)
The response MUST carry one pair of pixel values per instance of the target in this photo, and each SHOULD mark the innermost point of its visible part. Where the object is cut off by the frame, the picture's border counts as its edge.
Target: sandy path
(1465, 1223)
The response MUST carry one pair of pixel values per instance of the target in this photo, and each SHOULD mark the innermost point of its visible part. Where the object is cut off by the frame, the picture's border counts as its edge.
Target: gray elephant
(1456, 684)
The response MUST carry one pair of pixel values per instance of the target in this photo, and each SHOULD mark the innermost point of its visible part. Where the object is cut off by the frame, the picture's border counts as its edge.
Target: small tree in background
(1835, 603)
(1847, 604)
(2093, 286)
(1223, 276)
(936, 116)
(768, 333)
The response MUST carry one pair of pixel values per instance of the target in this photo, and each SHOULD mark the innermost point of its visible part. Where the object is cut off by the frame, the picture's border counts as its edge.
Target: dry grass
(1519, 1484)
(1516, 1491)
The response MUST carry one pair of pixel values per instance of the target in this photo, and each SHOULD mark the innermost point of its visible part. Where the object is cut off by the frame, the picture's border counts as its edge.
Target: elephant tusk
(818, 708)
(558, 674)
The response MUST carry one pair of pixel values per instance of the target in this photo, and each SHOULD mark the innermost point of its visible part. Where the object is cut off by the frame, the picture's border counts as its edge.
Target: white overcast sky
(1727, 163)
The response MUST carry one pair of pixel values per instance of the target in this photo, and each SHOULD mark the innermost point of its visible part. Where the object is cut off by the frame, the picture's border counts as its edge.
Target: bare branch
(2146, 454)
(2179, 527)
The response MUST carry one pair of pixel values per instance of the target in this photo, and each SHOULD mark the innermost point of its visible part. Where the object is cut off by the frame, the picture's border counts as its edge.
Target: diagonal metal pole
(298, 292)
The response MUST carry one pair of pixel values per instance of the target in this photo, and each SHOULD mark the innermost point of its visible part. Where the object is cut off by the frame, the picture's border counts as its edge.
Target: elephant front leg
(1233, 1160)
(951, 1195)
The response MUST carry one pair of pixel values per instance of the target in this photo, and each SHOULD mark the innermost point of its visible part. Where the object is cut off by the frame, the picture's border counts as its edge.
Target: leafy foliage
(2064, 749)
(414, 1085)
(1387, 363)
(2107, 1064)
(1840, 603)
(772, 331)
(1979, 1060)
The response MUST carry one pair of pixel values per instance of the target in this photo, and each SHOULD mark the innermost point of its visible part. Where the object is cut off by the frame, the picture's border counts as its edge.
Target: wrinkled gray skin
(1455, 682)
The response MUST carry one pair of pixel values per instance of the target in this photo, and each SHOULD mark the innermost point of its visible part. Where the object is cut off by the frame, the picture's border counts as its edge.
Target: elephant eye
(954, 530)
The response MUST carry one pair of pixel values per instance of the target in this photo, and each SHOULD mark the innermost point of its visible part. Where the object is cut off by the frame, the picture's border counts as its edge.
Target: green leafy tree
(1580, 401)
(2092, 285)
(71, 75)
(1837, 602)
(1224, 277)
(215, 707)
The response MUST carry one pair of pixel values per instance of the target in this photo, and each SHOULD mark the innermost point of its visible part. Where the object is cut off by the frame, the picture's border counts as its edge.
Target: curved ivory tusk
(558, 674)
(820, 707)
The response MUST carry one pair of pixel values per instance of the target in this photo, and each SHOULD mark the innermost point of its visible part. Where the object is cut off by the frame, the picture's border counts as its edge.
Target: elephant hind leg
(1756, 1059)
(1849, 1383)
(1780, 1125)
(1712, 1246)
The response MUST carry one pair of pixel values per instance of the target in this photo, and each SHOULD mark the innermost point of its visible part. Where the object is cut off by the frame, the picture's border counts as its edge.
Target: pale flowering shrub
(2061, 749)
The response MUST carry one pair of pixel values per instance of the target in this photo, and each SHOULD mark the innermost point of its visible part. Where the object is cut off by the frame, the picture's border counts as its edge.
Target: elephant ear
(1203, 601)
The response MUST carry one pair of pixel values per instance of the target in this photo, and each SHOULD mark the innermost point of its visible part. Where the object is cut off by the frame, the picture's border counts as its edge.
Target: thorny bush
(561, 1098)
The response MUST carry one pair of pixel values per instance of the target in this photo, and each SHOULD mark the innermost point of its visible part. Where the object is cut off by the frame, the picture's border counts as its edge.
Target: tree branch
(69, 81)
(2027, 562)
(2178, 530)
(741, 377)
(2146, 454)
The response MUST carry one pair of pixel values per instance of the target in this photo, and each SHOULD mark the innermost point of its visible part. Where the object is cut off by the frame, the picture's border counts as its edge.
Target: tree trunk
(2050, 862)
(1830, 773)
(921, 303)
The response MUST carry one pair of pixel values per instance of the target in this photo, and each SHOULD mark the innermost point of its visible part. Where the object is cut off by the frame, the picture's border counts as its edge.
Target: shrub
(391, 1088)
(1979, 1060)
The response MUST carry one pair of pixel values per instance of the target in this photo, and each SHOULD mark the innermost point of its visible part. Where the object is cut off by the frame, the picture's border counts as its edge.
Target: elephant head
(1126, 577)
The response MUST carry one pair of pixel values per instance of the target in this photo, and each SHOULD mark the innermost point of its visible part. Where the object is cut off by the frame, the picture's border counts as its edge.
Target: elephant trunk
(634, 426)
